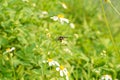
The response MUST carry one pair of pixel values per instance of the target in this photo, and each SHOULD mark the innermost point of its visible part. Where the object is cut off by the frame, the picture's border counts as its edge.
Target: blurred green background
(87, 54)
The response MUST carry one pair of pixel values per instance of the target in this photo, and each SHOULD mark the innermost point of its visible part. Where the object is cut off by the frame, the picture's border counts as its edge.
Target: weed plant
(59, 40)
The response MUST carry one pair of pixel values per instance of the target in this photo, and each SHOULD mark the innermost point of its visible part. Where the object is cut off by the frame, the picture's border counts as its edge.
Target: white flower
(106, 77)
(60, 18)
(63, 71)
(55, 18)
(10, 50)
(51, 62)
(72, 25)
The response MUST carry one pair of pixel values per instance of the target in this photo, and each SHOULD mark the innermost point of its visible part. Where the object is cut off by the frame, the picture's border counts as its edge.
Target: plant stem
(114, 8)
(108, 27)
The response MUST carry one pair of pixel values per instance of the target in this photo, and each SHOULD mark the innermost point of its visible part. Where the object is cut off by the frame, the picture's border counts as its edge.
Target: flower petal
(55, 18)
(66, 20)
(72, 25)
(61, 73)
(53, 63)
(56, 63)
(57, 69)
(13, 48)
(67, 78)
(61, 21)
(50, 63)
(65, 71)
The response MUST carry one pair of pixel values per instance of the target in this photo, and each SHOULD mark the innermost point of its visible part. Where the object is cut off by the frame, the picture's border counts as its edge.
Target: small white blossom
(63, 72)
(106, 77)
(10, 50)
(60, 18)
(51, 62)
(72, 25)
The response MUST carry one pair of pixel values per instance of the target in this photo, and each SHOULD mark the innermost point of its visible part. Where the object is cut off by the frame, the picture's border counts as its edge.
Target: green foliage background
(34, 37)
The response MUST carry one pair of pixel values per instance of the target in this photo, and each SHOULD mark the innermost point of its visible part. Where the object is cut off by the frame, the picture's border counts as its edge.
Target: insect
(61, 38)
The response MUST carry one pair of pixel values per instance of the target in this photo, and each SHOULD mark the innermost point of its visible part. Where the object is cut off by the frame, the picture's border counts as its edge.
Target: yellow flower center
(61, 68)
(60, 16)
(50, 60)
(8, 49)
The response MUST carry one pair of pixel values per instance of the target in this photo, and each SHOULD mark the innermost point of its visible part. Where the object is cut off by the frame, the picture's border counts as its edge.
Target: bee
(61, 38)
